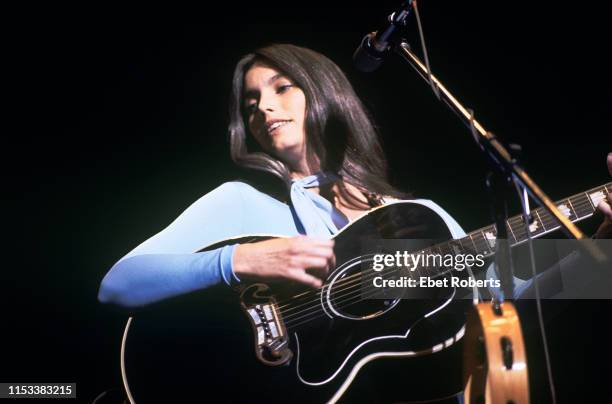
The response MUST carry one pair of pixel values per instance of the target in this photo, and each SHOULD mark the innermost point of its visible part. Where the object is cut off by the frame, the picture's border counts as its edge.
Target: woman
(293, 115)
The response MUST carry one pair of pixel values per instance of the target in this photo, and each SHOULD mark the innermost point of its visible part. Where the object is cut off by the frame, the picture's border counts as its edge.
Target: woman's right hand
(302, 259)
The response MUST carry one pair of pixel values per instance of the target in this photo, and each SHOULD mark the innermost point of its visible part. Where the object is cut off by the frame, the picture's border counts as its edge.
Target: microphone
(370, 53)
(372, 50)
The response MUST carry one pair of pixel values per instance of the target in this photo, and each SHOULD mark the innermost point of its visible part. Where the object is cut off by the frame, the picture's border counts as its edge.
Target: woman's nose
(268, 102)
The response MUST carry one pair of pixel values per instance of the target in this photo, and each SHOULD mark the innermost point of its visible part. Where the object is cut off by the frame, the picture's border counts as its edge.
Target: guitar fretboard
(482, 241)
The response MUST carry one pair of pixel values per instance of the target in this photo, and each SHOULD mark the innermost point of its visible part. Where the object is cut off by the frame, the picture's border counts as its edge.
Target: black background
(117, 123)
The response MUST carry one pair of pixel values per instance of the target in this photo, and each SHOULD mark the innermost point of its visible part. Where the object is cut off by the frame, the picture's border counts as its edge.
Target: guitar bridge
(271, 340)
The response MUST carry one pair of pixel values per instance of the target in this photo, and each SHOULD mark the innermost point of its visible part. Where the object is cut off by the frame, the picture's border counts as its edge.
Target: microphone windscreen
(366, 58)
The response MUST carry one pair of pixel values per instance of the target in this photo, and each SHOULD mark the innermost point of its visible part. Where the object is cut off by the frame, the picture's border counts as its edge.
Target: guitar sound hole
(350, 295)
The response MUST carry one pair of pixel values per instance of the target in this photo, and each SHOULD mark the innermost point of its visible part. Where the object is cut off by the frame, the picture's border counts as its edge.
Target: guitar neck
(482, 241)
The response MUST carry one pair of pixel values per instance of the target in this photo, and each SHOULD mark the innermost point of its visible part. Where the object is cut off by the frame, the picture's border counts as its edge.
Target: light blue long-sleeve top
(167, 265)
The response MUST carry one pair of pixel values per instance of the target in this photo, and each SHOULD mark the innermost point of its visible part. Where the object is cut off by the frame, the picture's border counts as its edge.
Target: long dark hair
(339, 131)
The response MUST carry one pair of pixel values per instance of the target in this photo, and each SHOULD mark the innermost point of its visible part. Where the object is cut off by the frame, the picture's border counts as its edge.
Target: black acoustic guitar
(279, 343)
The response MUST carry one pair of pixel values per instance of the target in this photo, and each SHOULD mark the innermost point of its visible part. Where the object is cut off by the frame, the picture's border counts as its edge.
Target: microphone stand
(497, 153)
(497, 186)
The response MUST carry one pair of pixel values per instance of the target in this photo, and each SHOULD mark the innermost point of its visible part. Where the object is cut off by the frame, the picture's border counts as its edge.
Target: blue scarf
(317, 215)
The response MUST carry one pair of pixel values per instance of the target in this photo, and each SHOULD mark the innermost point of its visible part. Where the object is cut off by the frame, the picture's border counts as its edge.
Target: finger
(609, 161)
(605, 208)
(304, 244)
(325, 242)
(306, 261)
(322, 252)
(320, 272)
(305, 278)
(332, 262)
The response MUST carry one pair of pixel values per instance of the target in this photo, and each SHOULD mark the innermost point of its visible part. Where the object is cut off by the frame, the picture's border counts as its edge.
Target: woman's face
(275, 109)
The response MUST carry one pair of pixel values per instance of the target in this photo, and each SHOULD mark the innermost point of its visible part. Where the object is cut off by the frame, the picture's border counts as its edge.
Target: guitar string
(354, 297)
(318, 313)
(340, 300)
(347, 300)
(580, 206)
(347, 281)
(546, 218)
(352, 278)
(291, 321)
(351, 284)
(307, 319)
(548, 221)
(579, 211)
(341, 285)
(356, 282)
(316, 301)
(296, 322)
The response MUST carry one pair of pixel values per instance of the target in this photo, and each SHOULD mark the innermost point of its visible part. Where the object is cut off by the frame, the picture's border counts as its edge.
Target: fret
(445, 248)
(563, 207)
(438, 252)
(518, 228)
(569, 202)
(510, 228)
(483, 241)
(482, 247)
(547, 219)
(536, 226)
(550, 220)
(596, 196)
(489, 246)
(436, 249)
(466, 245)
(539, 219)
(589, 199)
(438, 269)
(490, 235)
(581, 206)
(427, 268)
(455, 247)
(473, 243)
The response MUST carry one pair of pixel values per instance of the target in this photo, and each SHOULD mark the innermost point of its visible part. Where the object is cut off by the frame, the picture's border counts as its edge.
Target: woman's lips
(275, 125)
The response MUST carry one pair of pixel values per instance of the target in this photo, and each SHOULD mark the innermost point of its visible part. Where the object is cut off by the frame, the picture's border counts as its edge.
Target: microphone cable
(522, 194)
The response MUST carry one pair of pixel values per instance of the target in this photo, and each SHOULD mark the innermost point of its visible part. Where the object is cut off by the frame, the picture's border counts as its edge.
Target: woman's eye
(283, 88)
(251, 108)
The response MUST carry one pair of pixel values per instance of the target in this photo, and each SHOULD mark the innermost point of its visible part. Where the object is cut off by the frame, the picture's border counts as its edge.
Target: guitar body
(202, 344)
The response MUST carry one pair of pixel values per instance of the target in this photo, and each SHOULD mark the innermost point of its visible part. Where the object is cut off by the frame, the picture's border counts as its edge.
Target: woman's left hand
(605, 229)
